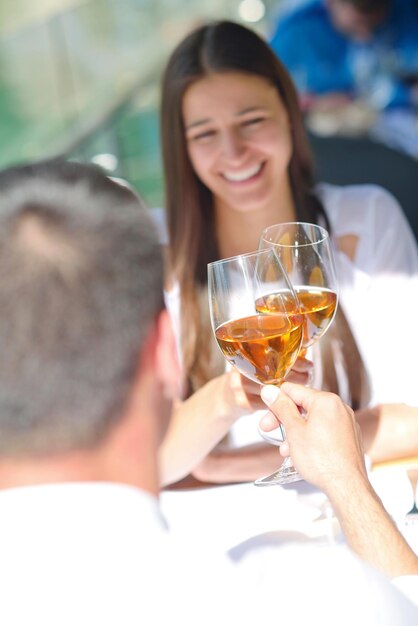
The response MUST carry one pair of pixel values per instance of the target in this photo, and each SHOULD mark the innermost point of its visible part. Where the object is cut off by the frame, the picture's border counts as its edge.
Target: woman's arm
(389, 431)
(199, 423)
(246, 463)
(236, 465)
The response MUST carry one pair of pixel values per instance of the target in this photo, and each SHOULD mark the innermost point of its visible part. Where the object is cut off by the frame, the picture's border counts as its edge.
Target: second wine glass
(306, 255)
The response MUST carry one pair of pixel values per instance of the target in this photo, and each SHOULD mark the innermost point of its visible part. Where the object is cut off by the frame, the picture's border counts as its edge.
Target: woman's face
(238, 138)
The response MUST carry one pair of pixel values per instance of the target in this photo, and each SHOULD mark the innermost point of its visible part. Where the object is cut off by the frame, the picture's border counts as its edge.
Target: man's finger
(281, 405)
(268, 422)
(284, 449)
(302, 396)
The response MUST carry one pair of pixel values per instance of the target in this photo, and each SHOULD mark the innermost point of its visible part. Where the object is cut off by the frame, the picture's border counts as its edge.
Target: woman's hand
(301, 372)
(223, 464)
(234, 395)
(199, 423)
(242, 395)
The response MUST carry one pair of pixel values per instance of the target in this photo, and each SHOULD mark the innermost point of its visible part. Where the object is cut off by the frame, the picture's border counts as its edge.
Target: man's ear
(167, 362)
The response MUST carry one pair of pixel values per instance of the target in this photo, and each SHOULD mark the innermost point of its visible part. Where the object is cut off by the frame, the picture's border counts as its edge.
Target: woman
(236, 160)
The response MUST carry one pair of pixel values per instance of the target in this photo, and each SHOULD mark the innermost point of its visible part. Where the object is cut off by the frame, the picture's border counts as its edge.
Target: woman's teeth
(238, 177)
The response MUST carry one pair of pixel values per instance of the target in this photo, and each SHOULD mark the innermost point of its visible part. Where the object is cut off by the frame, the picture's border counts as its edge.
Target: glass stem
(287, 463)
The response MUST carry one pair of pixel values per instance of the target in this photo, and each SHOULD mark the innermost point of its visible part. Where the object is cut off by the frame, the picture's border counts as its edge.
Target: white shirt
(100, 553)
(378, 291)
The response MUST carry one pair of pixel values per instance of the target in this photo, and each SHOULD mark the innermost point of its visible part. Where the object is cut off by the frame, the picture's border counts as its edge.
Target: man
(87, 371)
(337, 50)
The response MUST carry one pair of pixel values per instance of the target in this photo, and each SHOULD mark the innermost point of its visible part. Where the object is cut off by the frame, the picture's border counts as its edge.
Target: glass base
(287, 473)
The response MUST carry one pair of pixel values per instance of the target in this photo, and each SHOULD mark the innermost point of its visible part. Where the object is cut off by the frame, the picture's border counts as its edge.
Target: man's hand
(322, 433)
(325, 447)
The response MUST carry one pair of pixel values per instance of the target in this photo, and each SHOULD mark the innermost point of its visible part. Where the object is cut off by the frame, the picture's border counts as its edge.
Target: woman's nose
(233, 146)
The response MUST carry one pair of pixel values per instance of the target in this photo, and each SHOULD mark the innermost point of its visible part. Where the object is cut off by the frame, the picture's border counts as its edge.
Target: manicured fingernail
(270, 393)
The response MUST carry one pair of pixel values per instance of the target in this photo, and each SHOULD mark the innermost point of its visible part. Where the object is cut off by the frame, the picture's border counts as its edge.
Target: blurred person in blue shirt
(339, 50)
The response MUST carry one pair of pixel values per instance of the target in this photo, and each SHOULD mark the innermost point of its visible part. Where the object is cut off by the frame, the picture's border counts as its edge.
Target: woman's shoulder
(354, 209)
(375, 217)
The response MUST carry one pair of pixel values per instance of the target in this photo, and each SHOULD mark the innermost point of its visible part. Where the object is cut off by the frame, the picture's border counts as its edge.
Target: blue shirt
(322, 60)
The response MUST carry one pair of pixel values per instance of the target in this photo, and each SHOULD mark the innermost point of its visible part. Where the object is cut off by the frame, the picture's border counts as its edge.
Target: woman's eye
(203, 136)
(254, 121)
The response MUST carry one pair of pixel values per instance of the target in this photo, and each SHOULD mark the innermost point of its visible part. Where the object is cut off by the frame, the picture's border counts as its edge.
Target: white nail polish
(270, 393)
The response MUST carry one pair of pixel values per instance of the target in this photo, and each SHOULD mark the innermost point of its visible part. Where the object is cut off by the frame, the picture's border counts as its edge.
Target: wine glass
(262, 343)
(306, 255)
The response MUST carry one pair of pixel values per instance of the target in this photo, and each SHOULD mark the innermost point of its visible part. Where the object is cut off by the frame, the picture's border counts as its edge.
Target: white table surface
(224, 516)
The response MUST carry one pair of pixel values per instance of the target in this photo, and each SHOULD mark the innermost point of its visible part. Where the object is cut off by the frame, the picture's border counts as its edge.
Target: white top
(99, 553)
(378, 291)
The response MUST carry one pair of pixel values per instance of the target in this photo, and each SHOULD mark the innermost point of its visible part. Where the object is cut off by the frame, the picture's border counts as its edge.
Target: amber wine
(317, 306)
(262, 347)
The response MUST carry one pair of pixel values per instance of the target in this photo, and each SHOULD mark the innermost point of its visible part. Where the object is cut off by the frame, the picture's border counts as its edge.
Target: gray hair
(81, 279)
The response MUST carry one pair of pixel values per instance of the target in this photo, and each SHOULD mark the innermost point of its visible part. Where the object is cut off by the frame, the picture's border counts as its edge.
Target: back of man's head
(358, 18)
(80, 286)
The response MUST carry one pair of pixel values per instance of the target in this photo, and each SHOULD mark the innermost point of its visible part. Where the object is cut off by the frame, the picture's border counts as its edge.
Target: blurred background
(80, 78)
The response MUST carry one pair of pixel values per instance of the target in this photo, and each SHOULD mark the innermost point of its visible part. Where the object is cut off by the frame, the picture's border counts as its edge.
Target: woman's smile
(248, 174)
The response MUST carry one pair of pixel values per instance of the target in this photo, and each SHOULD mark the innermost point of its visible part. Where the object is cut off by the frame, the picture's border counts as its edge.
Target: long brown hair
(216, 47)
